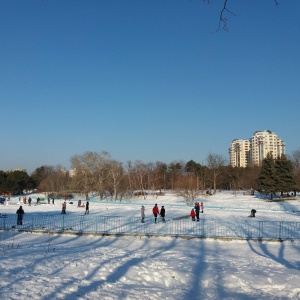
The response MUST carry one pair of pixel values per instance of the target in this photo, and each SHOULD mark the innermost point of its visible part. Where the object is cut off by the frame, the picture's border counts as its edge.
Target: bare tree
(84, 166)
(101, 172)
(157, 176)
(129, 179)
(215, 162)
(225, 12)
(58, 182)
(115, 178)
(140, 173)
(187, 187)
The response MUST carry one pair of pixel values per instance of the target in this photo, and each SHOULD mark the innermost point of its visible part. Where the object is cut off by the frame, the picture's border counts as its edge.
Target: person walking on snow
(143, 213)
(202, 207)
(163, 214)
(87, 208)
(155, 212)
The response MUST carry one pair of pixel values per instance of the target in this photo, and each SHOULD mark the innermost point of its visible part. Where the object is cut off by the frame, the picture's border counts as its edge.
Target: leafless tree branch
(222, 19)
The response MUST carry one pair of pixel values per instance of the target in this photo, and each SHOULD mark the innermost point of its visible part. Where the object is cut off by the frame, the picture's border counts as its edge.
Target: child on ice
(193, 214)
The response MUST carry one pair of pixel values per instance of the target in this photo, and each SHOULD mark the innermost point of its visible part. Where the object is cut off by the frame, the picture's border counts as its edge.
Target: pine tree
(285, 179)
(267, 178)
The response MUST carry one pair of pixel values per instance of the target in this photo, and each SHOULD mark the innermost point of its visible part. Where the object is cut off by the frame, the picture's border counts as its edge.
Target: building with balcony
(239, 153)
(252, 152)
(264, 142)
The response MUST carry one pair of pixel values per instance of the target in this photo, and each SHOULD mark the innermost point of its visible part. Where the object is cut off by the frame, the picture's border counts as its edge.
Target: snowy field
(46, 266)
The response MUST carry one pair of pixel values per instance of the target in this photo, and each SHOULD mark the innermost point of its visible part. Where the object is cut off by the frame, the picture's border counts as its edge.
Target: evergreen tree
(285, 179)
(17, 181)
(3, 179)
(267, 178)
(40, 174)
(192, 167)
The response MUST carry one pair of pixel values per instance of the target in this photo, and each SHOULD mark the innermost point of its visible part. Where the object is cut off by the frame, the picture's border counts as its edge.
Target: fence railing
(206, 228)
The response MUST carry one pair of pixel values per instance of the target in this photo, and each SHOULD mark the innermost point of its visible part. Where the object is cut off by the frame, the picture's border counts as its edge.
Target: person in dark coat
(163, 214)
(197, 210)
(20, 212)
(79, 203)
(155, 212)
(143, 214)
(87, 208)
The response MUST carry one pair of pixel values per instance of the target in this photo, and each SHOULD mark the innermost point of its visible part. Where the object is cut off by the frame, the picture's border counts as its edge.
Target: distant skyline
(144, 80)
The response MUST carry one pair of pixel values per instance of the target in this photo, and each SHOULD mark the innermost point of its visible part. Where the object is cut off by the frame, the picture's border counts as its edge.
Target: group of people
(195, 212)
(79, 204)
(20, 212)
(156, 213)
(24, 200)
(50, 200)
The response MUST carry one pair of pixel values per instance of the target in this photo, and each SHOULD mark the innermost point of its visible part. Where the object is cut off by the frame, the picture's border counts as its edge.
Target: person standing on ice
(193, 214)
(155, 212)
(163, 214)
(87, 208)
(197, 210)
(64, 207)
(20, 212)
(202, 207)
(143, 213)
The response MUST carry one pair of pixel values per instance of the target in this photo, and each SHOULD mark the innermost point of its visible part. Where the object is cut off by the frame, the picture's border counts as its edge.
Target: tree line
(98, 173)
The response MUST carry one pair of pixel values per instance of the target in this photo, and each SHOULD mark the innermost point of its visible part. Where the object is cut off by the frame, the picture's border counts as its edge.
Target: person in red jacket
(155, 211)
(193, 214)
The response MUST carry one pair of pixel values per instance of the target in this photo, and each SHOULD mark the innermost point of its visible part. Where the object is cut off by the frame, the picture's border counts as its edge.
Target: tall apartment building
(264, 142)
(239, 152)
(252, 152)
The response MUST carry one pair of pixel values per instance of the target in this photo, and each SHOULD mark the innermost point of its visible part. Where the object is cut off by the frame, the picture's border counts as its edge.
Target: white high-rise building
(239, 152)
(264, 142)
(251, 152)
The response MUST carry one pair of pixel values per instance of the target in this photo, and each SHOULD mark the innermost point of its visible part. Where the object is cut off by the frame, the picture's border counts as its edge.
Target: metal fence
(205, 228)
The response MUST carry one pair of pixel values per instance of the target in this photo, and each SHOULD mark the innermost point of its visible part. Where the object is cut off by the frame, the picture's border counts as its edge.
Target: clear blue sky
(144, 79)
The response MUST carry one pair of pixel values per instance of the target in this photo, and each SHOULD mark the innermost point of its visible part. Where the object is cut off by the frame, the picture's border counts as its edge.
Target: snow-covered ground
(46, 266)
